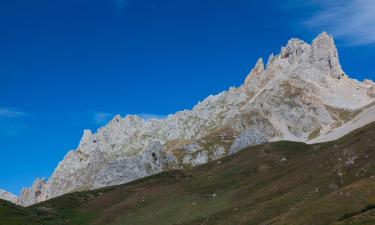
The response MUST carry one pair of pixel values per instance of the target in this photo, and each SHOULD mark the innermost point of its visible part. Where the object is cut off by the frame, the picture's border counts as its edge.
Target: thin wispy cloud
(11, 113)
(352, 21)
(12, 121)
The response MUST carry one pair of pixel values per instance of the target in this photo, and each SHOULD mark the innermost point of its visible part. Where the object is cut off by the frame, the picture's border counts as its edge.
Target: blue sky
(70, 65)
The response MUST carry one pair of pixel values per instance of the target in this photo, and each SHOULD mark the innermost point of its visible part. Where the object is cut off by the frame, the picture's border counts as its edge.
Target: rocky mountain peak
(316, 62)
(294, 48)
(320, 55)
(301, 95)
(258, 70)
(324, 54)
(87, 138)
(324, 39)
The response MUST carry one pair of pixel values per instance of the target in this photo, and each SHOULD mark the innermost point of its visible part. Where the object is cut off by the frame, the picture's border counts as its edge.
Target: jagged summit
(258, 70)
(301, 95)
(322, 53)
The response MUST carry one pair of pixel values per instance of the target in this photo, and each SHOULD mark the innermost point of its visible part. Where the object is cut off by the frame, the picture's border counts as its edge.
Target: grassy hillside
(276, 183)
(11, 214)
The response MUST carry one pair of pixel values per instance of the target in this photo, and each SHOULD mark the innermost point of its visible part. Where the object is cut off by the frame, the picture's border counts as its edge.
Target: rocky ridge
(8, 196)
(299, 95)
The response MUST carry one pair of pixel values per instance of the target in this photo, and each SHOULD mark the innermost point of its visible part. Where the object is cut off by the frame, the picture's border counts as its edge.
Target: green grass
(314, 134)
(276, 183)
(15, 215)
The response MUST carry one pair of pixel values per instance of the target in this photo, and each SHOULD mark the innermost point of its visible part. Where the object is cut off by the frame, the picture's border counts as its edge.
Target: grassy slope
(276, 183)
(11, 214)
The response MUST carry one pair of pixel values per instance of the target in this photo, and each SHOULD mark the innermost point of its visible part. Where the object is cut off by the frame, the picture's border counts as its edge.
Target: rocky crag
(301, 94)
(8, 196)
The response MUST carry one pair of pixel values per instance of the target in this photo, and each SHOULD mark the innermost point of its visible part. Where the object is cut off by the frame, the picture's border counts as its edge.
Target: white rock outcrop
(249, 137)
(300, 94)
(34, 194)
(8, 196)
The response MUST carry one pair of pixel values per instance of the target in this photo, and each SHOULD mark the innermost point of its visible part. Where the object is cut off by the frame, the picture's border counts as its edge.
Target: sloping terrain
(366, 116)
(275, 183)
(11, 214)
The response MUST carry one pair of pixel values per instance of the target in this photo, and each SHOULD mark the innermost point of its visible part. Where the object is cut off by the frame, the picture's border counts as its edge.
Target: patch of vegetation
(314, 134)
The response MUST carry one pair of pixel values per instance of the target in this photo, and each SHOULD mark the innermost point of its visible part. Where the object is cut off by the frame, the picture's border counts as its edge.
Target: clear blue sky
(68, 65)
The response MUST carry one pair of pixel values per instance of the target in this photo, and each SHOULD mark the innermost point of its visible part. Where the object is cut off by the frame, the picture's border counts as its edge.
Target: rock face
(34, 194)
(299, 95)
(151, 161)
(249, 137)
(8, 196)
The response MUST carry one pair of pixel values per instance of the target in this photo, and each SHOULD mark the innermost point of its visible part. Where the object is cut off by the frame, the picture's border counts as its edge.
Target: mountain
(276, 183)
(301, 94)
(8, 196)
